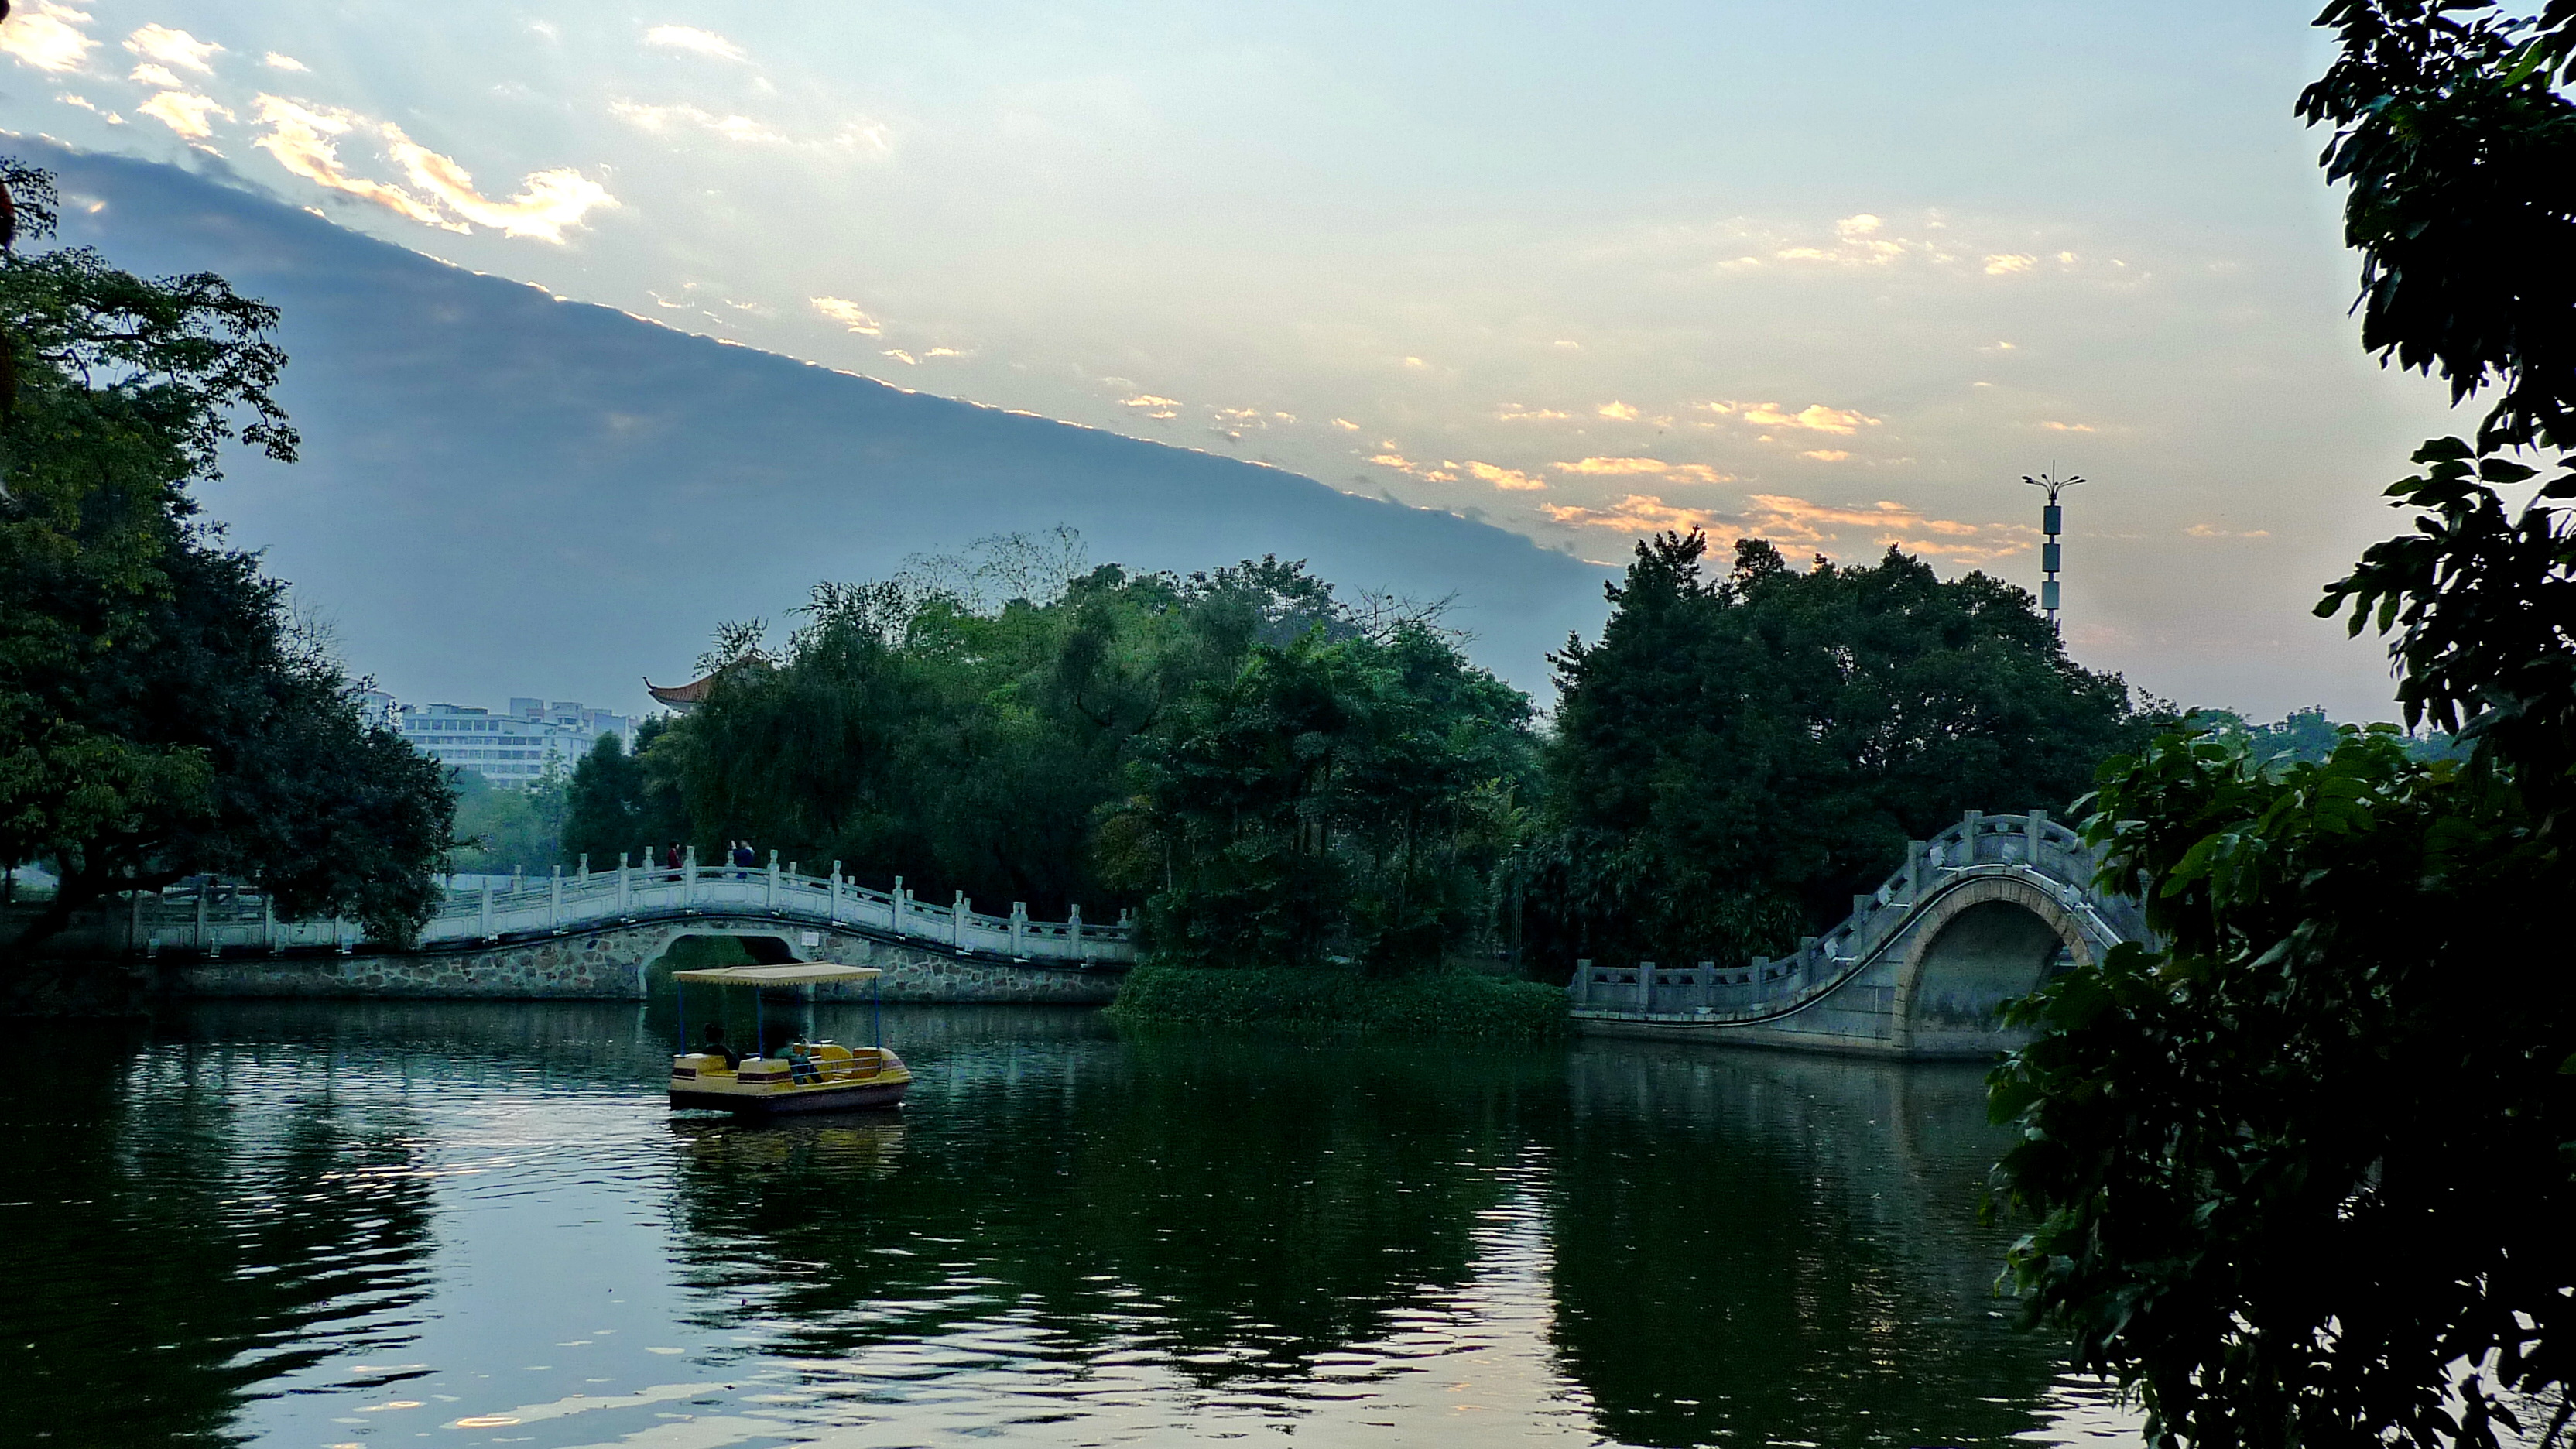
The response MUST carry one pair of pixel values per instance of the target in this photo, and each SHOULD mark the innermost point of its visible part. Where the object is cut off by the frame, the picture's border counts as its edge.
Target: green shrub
(1456, 1003)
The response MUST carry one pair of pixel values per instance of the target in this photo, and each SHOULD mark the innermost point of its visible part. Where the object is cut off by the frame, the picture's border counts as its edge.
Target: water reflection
(1784, 1247)
(185, 1224)
(319, 1223)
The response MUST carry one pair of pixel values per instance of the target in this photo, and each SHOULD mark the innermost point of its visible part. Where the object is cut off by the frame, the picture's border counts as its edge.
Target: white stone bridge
(214, 922)
(1979, 915)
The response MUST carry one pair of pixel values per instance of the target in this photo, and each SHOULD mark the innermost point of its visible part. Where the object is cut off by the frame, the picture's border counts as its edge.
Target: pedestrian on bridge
(744, 858)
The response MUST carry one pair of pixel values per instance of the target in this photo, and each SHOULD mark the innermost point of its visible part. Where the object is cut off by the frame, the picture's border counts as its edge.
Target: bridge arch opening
(703, 950)
(1985, 954)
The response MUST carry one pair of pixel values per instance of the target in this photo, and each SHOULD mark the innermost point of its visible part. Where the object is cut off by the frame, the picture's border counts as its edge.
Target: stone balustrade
(210, 921)
(1834, 970)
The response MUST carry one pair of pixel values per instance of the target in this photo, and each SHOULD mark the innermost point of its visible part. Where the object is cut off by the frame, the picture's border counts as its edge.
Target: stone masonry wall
(610, 965)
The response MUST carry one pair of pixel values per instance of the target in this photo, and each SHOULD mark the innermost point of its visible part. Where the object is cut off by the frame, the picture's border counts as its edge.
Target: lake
(318, 1224)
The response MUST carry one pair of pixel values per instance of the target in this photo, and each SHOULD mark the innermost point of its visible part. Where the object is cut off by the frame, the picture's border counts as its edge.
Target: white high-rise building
(511, 748)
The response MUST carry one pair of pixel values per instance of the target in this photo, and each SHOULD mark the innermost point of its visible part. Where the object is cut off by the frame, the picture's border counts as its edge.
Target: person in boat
(802, 1064)
(717, 1046)
(775, 1042)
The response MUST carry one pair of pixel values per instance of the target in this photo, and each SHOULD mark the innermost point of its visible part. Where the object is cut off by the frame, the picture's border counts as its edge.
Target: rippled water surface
(324, 1224)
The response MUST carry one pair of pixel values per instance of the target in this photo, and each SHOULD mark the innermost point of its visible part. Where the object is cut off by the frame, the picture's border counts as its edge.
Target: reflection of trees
(1245, 1198)
(1783, 1248)
(188, 1227)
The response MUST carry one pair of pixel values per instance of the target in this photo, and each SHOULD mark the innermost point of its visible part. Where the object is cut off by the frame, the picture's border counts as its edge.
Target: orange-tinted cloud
(1831, 529)
(305, 140)
(1642, 467)
(1814, 417)
(1636, 513)
(1510, 480)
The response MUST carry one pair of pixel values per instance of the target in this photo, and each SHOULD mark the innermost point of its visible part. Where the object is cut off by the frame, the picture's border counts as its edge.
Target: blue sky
(1834, 274)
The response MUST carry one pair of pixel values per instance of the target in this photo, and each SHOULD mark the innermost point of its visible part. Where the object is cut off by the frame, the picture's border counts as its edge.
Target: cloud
(47, 37)
(2006, 263)
(1617, 411)
(174, 47)
(1785, 519)
(1515, 413)
(1788, 519)
(1642, 467)
(1826, 455)
(2212, 530)
(1148, 400)
(1510, 480)
(1415, 362)
(1815, 417)
(2068, 427)
(275, 61)
(944, 352)
(155, 75)
(908, 360)
(1857, 243)
(305, 140)
(1346, 425)
(1635, 513)
(548, 201)
(1397, 461)
(183, 113)
(848, 314)
(663, 120)
(1569, 344)
(695, 41)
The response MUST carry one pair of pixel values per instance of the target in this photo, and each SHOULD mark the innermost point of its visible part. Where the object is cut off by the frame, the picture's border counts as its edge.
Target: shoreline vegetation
(1451, 1002)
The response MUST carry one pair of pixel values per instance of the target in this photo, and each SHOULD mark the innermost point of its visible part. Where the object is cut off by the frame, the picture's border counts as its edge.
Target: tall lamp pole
(2052, 521)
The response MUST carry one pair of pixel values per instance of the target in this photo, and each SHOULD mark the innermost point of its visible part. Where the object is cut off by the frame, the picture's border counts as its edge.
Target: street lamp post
(2052, 520)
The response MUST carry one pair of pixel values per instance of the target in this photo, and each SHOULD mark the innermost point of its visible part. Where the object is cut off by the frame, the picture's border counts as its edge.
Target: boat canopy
(794, 973)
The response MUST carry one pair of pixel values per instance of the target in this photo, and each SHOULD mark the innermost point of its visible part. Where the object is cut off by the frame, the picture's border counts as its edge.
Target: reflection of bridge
(222, 919)
(1979, 915)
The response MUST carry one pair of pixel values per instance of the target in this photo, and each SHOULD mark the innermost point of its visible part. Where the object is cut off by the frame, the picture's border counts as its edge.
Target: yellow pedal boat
(807, 1076)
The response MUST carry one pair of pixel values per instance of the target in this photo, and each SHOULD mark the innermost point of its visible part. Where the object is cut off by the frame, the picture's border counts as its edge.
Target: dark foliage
(1738, 755)
(2303, 1174)
(161, 713)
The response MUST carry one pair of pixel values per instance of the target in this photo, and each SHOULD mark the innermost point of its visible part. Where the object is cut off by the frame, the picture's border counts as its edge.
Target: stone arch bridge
(596, 934)
(1980, 914)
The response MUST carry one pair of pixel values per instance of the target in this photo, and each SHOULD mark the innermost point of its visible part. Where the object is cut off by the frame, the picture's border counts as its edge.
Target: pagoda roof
(682, 697)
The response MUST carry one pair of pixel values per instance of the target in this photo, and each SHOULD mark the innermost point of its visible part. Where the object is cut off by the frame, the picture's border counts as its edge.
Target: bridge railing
(1978, 842)
(220, 918)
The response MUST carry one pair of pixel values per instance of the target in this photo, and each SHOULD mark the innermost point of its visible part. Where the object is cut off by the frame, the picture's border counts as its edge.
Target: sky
(1837, 275)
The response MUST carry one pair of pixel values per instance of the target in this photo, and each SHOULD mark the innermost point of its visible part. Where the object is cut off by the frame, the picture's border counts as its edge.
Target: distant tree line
(1269, 774)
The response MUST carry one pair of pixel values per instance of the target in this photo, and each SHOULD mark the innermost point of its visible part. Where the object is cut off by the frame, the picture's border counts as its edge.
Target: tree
(505, 828)
(2302, 1174)
(161, 713)
(1347, 798)
(610, 808)
(1736, 756)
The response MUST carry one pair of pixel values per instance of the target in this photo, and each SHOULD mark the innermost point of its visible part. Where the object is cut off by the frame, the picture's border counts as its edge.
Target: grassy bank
(1455, 1003)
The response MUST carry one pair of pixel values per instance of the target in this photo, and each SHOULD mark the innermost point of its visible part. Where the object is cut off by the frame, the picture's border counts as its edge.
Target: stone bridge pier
(1980, 914)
